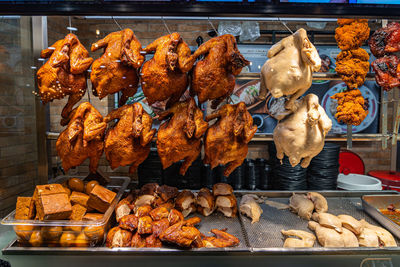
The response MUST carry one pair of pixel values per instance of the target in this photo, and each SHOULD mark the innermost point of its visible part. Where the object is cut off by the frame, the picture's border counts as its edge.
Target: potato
(81, 240)
(24, 232)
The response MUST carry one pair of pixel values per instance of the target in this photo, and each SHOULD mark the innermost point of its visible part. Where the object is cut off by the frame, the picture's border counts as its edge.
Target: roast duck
(301, 135)
(164, 77)
(226, 140)
(83, 138)
(64, 73)
(288, 70)
(128, 142)
(117, 69)
(213, 77)
(179, 138)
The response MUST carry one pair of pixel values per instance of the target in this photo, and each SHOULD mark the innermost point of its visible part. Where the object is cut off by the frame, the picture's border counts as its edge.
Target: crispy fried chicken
(351, 33)
(350, 108)
(353, 66)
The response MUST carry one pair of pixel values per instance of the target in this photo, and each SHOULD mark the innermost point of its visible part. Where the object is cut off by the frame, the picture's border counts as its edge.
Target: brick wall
(147, 31)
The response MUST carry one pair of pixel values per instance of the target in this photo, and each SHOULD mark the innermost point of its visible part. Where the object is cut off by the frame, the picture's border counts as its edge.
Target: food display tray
(262, 238)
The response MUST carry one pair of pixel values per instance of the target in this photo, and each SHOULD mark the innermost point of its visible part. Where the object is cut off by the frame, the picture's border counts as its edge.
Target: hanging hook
(212, 25)
(284, 24)
(70, 28)
(116, 22)
(165, 24)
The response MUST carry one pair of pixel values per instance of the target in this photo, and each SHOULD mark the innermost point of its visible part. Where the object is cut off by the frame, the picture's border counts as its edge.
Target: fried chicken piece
(221, 239)
(350, 109)
(353, 35)
(226, 140)
(160, 226)
(342, 22)
(116, 69)
(165, 75)
(387, 72)
(143, 211)
(64, 73)
(129, 222)
(179, 138)
(145, 225)
(82, 139)
(213, 77)
(180, 234)
(353, 66)
(159, 213)
(385, 40)
(128, 142)
(138, 241)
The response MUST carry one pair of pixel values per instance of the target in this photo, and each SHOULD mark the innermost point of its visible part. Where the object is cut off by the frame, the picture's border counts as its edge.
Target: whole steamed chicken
(64, 73)
(180, 136)
(213, 77)
(128, 142)
(83, 138)
(301, 135)
(226, 140)
(117, 69)
(164, 77)
(288, 71)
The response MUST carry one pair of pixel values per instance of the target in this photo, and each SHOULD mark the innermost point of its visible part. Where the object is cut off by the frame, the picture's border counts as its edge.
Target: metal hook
(116, 22)
(284, 24)
(212, 25)
(165, 24)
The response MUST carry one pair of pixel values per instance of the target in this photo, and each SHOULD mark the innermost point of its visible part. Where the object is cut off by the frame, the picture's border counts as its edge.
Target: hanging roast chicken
(83, 138)
(164, 77)
(301, 135)
(128, 142)
(226, 140)
(289, 69)
(116, 69)
(64, 73)
(179, 138)
(214, 76)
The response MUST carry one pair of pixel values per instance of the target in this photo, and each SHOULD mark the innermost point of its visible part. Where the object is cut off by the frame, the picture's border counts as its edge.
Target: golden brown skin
(165, 75)
(143, 211)
(180, 137)
(117, 69)
(213, 77)
(221, 239)
(128, 142)
(129, 222)
(352, 66)
(138, 241)
(226, 140)
(159, 213)
(160, 226)
(83, 138)
(351, 34)
(350, 109)
(175, 216)
(145, 225)
(180, 234)
(64, 73)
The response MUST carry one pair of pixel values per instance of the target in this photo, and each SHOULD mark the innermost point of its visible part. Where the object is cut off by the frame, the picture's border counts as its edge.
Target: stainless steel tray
(262, 238)
(372, 204)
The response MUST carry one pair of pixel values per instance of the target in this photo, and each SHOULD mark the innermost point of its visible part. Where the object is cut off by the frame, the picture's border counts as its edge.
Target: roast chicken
(387, 72)
(351, 107)
(182, 233)
(82, 139)
(353, 66)
(213, 77)
(64, 73)
(385, 40)
(128, 142)
(301, 135)
(288, 70)
(116, 69)
(351, 33)
(179, 138)
(164, 77)
(226, 140)
(221, 239)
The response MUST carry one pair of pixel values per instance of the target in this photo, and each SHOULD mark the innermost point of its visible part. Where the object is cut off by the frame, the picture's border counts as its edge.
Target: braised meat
(213, 77)
(385, 40)
(226, 140)
(351, 33)
(353, 66)
(116, 69)
(83, 138)
(180, 136)
(128, 142)
(64, 73)
(387, 72)
(165, 75)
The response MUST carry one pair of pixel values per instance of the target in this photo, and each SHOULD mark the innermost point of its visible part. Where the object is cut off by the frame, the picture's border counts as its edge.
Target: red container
(390, 180)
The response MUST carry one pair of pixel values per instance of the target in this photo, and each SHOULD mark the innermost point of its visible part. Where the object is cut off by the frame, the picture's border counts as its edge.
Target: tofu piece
(79, 198)
(92, 216)
(25, 208)
(78, 211)
(101, 198)
(52, 202)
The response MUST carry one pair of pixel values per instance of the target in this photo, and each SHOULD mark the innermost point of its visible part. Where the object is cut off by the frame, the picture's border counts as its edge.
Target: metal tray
(372, 204)
(263, 238)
